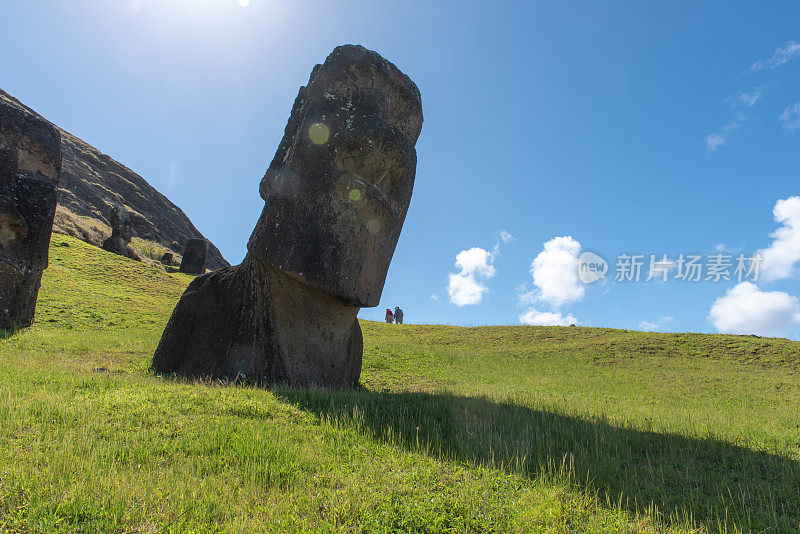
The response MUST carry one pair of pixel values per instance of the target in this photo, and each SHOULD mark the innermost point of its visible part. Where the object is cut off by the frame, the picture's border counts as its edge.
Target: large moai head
(194, 257)
(338, 189)
(30, 166)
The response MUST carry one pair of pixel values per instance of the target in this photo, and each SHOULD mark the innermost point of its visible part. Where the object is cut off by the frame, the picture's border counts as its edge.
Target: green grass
(151, 252)
(488, 429)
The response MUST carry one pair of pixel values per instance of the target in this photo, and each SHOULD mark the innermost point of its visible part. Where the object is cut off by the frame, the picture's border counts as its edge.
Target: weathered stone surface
(336, 196)
(121, 233)
(194, 257)
(91, 181)
(30, 164)
(167, 258)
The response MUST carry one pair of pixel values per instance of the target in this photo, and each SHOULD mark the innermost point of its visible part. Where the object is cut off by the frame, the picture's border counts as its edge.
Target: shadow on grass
(720, 484)
(7, 333)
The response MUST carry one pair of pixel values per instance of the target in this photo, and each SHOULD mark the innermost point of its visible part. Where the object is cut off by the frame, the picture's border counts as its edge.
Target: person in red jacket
(389, 316)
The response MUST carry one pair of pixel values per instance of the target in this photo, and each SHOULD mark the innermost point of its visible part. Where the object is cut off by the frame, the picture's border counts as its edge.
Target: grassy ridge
(492, 429)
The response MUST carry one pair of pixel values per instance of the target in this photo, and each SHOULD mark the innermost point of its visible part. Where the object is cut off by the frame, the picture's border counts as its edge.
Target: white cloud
(747, 99)
(714, 141)
(465, 290)
(555, 277)
(434, 297)
(475, 261)
(466, 287)
(525, 296)
(537, 318)
(650, 327)
(779, 259)
(555, 273)
(782, 55)
(745, 309)
(506, 237)
(724, 248)
(739, 103)
(791, 117)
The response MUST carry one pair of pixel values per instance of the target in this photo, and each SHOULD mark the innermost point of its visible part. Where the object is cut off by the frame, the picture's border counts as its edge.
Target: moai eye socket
(12, 227)
(370, 100)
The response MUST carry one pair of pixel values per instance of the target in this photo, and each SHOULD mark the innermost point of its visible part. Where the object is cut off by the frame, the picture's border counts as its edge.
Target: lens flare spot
(319, 133)
(373, 226)
(134, 8)
(355, 195)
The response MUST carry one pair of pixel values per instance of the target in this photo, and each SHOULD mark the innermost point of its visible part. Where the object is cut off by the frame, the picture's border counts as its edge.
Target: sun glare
(134, 7)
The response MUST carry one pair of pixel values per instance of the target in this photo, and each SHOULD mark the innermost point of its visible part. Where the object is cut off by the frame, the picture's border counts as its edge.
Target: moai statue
(121, 233)
(336, 196)
(30, 166)
(167, 258)
(194, 257)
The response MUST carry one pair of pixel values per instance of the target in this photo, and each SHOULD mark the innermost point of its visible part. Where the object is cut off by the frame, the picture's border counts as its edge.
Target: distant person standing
(389, 316)
(398, 315)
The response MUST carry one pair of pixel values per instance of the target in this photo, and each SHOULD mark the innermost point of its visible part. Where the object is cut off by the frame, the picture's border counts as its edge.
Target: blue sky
(631, 127)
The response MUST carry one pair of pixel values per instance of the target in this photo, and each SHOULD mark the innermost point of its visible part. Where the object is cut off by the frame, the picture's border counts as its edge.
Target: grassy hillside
(492, 429)
(90, 182)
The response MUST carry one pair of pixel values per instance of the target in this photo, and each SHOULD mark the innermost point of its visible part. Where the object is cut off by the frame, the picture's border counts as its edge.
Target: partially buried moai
(194, 257)
(121, 232)
(336, 195)
(30, 166)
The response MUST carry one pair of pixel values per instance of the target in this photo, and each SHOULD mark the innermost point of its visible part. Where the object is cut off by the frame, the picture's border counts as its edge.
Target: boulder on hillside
(336, 196)
(30, 165)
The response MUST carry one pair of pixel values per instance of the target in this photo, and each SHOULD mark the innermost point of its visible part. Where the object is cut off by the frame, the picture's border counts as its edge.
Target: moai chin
(30, 166)
(336, 196)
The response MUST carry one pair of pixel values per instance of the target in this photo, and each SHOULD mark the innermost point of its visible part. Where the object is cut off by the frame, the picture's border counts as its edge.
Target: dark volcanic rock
(91, 182)
(336, 196)
(167, 258)
(194, 257)
(121, 233)
(30, 163)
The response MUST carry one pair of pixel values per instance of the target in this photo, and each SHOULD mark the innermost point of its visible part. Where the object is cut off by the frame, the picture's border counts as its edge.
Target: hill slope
(488, 429)
(91, 181)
